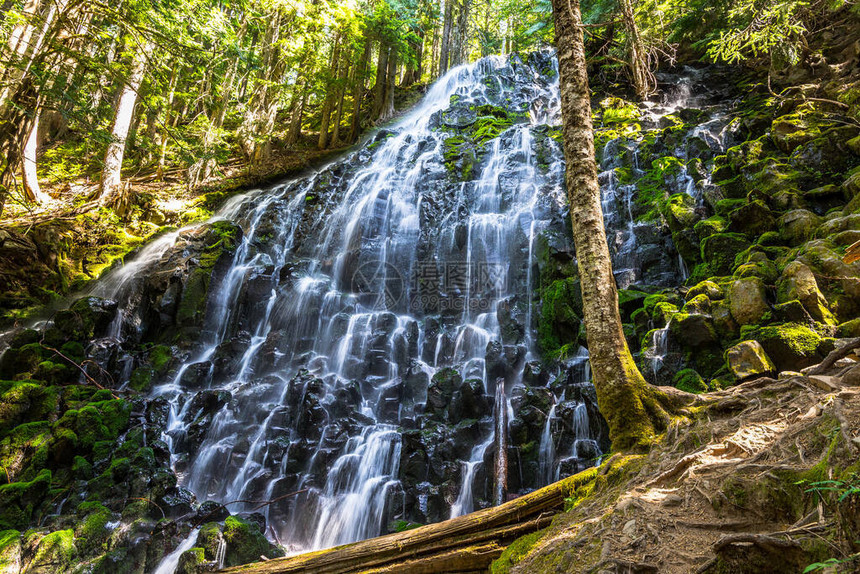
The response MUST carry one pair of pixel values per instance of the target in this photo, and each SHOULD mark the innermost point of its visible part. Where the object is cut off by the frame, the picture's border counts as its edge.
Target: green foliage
(759, 27)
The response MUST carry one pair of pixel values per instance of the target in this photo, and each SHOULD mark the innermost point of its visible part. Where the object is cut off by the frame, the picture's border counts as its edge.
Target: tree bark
(111, 187)
(501, 462)
(358, 92)
(624, 398)
(447, 18)
(381, 79)
(433, 548)
(329, 95)
(637, 57)
(32, 191)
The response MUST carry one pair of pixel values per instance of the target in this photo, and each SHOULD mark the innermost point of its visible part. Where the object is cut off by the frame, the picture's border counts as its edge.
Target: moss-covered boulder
(20, 500)
(751, 218)
(245, 543)
(86, 318)
(680, 212)
(190, 561)
(55, 552)
(798, 226)
(749, 359)
(791, 346)
(748, 300)
(560, 317)
(720, 249)
(10, 551)
(690, 381)
(695, 330)
(798, 283)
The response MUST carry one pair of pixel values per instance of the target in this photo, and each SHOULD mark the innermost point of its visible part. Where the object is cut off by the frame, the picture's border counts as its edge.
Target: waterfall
(330, 335)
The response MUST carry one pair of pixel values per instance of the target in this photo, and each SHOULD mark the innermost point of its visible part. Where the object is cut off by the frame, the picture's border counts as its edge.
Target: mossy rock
(680, 212)
(748, 300)
(245, 543)
(190, 560)
(56, 552)
(86, 318)
(693, 330)
(791, 346)
(719, 251)
(708, 288)
(751, 218)
(710, 226)
(560, 317)
(749, 359)
(798, 226)
(690, 381)
(19, 501)
(10, 551)
(24, 401)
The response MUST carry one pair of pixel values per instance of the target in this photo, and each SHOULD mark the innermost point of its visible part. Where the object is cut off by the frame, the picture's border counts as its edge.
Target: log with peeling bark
(467, 543)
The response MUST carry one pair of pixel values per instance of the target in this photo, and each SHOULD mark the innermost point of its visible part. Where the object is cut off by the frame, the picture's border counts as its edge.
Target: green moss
(19, 500)
(56, 550)
(10, 550)
(559, 319)
(92, 527)
(141, 379)
(690, 381)
(514, 553)
(160, 357)
(792, 346)
(245, 543)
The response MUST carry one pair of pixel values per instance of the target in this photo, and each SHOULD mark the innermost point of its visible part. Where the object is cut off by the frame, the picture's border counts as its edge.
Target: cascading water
(362, 306)
(370, 342)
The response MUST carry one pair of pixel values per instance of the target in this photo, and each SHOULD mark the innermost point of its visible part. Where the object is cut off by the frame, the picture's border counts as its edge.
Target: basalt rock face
(325, 361)
(767, 209)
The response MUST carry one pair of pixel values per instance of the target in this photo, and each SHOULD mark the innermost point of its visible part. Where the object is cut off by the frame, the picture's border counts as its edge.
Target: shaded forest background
(118, 118)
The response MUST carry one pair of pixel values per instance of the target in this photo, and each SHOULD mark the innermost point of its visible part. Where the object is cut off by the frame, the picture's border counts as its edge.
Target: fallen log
(464, 544)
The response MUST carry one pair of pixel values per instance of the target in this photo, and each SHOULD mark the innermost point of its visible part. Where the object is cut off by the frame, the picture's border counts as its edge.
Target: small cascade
(169, 563)
(546, 457)
(658, 350)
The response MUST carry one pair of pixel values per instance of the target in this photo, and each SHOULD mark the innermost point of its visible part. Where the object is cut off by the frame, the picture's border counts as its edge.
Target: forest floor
(762, 479)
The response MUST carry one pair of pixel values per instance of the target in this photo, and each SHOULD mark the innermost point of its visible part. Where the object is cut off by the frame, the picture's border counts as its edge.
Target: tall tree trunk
(32, 191)
(434, 55)
(329, 95)
(625, 399)
(295, 133)
(381, 78)
(15, 123)
(463, 32)
(637, 56)
(390, 84)
(447, 18)
(341, 96)
(358, 92)
(168, 106)
(111, 187)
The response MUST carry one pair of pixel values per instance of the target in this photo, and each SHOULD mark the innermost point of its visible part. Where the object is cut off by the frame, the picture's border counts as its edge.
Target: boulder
(749, 359)
(748, 300)
(791, 346)
(798, 226)
(752, 218)
(720, 249)
(798, 283)
(693, 330)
